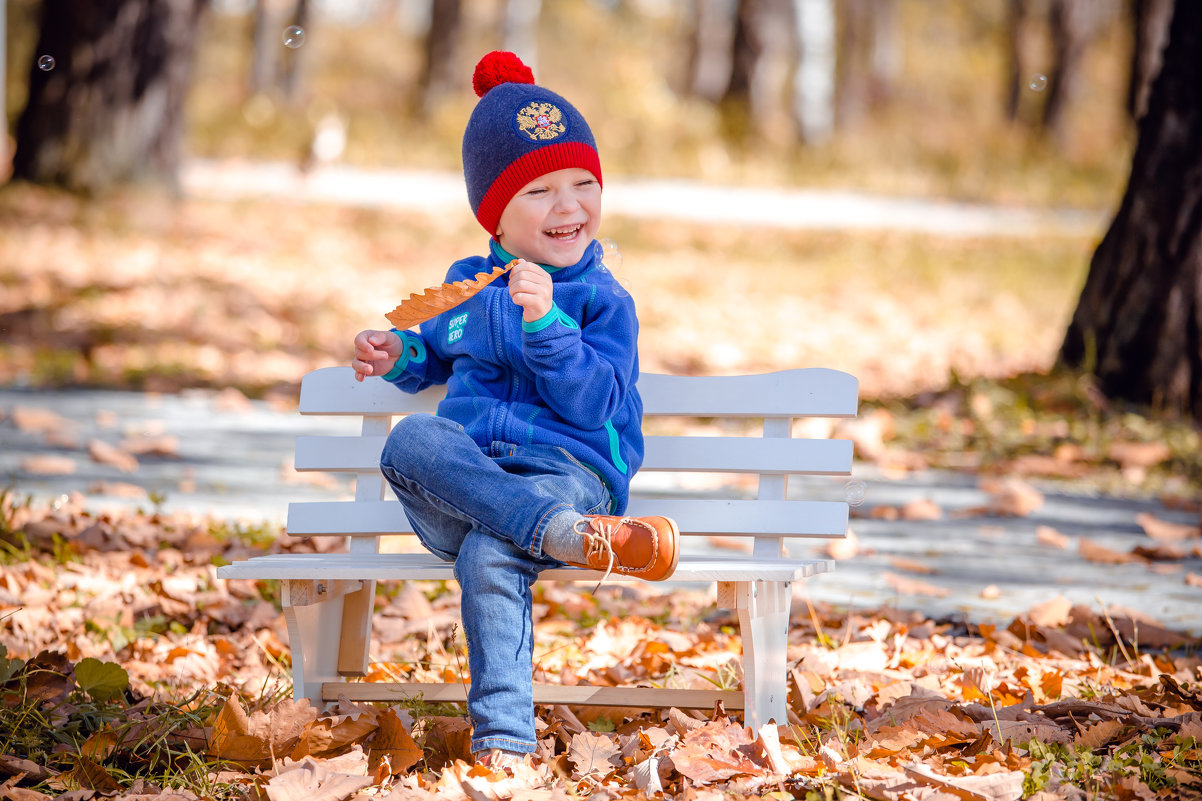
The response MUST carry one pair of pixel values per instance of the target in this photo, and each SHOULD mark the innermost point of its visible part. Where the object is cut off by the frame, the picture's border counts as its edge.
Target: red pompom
(499, 67)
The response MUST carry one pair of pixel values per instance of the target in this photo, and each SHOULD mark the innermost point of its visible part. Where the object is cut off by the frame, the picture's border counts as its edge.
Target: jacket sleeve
(584, 371)
(419, 366)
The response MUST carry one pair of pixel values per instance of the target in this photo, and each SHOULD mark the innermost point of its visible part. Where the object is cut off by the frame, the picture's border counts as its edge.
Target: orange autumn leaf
(91, 776)
(255, 738)
(393, 744)
(417, 308)
(1099, 734)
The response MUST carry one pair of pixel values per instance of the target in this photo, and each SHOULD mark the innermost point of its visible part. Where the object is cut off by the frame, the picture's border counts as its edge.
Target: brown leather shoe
(642, 547)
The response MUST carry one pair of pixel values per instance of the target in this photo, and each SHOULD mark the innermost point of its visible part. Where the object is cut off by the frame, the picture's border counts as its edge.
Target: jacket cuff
(413, 350)
(552, 316)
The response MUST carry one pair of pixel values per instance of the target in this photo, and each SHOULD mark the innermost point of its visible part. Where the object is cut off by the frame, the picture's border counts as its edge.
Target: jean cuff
(555, 516)
(504, 743)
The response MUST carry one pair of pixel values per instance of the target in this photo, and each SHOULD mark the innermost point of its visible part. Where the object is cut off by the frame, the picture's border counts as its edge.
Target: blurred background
(220, 193)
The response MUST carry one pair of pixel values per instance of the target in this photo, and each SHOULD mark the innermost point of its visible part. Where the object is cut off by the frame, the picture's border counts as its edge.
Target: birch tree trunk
(814, 77)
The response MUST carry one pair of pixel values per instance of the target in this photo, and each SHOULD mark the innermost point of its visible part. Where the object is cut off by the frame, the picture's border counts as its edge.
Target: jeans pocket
(603, 496)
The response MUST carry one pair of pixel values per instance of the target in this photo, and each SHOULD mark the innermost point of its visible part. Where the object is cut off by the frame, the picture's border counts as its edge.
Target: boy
(527, 464)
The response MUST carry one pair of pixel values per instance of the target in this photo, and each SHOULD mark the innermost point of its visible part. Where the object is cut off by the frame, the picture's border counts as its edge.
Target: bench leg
(313, 613)
(764, 625)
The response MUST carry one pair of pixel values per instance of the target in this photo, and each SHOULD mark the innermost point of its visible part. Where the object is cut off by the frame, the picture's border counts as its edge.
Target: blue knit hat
(517, 132)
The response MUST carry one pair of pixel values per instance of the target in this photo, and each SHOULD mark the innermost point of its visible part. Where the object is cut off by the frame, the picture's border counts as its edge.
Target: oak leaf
(417, 308)
(1098, 735)
(716, 751)
(310, 780)
(593, 754)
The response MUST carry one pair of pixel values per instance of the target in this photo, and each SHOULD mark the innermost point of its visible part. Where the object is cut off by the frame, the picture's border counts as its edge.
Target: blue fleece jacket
(566, 380)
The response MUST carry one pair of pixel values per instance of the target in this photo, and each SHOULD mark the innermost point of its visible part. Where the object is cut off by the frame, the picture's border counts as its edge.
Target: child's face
(553, 218)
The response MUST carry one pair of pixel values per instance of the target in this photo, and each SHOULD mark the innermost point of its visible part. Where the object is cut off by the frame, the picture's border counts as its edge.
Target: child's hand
(375, 353)
(530, 288)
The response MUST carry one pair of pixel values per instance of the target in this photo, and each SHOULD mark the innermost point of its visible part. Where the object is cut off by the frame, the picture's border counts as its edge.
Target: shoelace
(597, 533)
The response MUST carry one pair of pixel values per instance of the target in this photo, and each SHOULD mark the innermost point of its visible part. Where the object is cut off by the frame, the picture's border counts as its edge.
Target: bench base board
(547, 694)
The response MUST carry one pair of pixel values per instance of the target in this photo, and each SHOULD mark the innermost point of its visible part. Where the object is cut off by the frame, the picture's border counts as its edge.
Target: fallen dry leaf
(920, 509)
(909, 586)
(313, 780)
(48, 465)
(393, 744)
(1166, 531)
(1046, 535)
(911, 565)
(38, 420)
(1093, 552)
(257, 738)
(843, 548)
(594, 755)
(104, 453)
(1139, 454)
(1011, 497)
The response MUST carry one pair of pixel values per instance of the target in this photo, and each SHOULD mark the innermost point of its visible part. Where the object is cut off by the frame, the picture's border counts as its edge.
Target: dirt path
(438, 193)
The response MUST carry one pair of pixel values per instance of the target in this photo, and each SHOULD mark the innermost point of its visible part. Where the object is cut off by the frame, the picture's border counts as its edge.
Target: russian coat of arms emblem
(540, 121)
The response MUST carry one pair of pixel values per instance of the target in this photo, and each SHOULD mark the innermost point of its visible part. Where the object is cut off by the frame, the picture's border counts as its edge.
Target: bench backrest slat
(805, 392)
(665, 454)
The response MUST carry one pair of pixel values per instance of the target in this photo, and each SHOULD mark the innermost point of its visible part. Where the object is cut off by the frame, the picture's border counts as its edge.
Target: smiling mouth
(563, 234)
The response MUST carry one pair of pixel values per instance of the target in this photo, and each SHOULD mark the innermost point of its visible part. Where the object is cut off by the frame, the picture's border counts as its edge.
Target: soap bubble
(294, 36)
(1038, 83)
(45, 63)
(610, 254)
(854, 492)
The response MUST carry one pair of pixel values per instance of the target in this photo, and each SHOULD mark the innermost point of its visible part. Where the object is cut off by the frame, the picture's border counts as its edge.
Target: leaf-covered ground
(130, 671)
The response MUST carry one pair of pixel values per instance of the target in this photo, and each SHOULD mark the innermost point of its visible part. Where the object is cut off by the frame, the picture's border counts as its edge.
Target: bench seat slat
(807, 392)
(667, 454)
(427, 566)
(693, 516)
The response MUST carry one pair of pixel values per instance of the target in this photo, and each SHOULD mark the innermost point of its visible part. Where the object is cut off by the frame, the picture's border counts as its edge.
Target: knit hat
(517, 132)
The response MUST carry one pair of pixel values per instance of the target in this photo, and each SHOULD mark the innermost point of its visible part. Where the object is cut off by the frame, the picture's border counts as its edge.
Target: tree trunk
(1071, 23)
(292, 58)
(711, 48)
(1138, 323)
(262, 48)
(814, 78)
(520, 30)
(111, 109)
(440, 70)
(1150, 27)
(1018, 23)
(869, 55)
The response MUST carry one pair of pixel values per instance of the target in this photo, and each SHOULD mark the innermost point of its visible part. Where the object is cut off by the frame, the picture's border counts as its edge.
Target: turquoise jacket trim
(505, 256)
(413, 350)
(551, 317)
(615, 448)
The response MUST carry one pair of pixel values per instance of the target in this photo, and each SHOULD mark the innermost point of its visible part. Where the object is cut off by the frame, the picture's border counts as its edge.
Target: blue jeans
(486, 510)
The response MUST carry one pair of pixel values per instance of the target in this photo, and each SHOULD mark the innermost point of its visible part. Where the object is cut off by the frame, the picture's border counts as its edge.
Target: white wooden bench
(328, 598)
